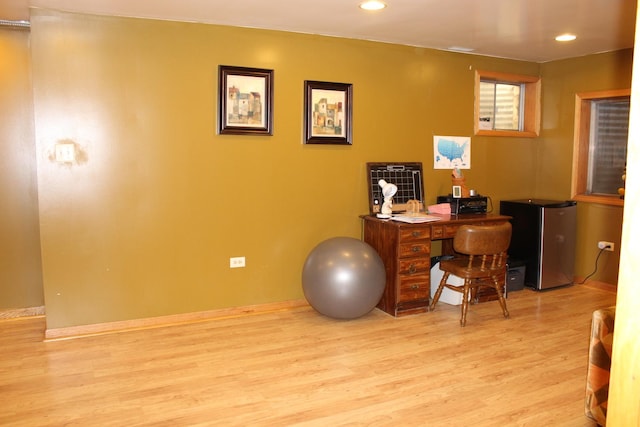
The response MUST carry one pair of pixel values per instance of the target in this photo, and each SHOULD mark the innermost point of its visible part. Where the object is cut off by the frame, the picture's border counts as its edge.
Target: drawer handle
(412, 269)
(415, 248)
(415, 233)
(415, 287)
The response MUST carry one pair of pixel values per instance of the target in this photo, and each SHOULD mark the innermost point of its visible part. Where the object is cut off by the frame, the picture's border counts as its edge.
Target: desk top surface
(445, 219)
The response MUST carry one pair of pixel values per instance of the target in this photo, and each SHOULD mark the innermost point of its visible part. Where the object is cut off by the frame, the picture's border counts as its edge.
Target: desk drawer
(443, 231)
(414, 265)
(414, 233)
(413, 287)
(414, 249)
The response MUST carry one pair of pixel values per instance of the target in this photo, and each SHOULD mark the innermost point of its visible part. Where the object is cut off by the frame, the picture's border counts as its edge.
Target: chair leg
(474, 294)
(436, 297)
(501, 300)
(465, 302)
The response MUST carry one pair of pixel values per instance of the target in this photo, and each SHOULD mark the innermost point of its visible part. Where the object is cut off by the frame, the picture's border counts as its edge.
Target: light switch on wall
(65, 153)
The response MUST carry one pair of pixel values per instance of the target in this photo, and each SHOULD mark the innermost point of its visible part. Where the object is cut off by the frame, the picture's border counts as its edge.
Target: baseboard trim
(596, 285)
(16, 313)
(72, 332)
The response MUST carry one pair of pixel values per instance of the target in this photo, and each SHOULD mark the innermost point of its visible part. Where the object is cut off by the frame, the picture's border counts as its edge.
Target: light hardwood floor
(297, 367)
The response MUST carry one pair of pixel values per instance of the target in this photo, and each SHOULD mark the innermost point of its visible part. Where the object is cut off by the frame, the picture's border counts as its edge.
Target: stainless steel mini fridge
(544, 239)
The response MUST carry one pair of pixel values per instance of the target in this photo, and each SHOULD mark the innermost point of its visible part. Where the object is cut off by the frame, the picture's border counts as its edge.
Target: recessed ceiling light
(565, 37)
(372, 5)
(461, 49)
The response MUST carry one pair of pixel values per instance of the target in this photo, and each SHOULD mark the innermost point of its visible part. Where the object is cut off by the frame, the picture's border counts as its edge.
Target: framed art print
(328, 112)
(245, 101)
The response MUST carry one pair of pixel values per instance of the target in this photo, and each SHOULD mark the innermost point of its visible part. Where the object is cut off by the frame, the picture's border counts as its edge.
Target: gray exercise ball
(343, 278)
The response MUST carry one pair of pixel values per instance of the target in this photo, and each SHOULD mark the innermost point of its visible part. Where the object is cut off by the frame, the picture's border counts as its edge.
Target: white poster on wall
(451, 152)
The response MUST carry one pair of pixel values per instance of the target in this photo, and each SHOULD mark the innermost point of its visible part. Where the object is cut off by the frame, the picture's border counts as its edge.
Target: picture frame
(328, 113)
(245, 101)
(457, 191)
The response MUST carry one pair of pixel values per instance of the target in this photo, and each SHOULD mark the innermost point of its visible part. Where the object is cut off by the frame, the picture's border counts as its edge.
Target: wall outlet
(607, 246)
(236, 262)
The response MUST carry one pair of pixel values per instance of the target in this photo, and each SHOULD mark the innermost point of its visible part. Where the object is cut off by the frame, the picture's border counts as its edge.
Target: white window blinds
(500, 106)
(608, 145)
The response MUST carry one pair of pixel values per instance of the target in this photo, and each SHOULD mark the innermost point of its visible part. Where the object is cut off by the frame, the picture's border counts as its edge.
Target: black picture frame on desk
(245, 101)
(328, 113)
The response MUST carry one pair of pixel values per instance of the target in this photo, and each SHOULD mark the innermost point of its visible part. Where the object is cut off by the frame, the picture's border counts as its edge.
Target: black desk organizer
(406, 176)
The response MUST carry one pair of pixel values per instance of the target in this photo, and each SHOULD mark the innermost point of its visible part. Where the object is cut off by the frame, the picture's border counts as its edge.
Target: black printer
(465, 205)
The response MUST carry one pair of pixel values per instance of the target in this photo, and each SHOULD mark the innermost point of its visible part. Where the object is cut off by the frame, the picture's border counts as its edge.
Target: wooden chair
(481, 256)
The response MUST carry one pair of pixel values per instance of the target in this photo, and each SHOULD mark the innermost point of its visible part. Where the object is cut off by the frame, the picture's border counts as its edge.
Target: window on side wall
(506, 104)
(600, 145)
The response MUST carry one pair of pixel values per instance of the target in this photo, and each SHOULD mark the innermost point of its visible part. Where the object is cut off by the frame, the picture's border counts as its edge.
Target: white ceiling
(516, 29)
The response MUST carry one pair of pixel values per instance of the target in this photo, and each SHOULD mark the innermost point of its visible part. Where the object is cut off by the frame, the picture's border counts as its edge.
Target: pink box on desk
(440, 208)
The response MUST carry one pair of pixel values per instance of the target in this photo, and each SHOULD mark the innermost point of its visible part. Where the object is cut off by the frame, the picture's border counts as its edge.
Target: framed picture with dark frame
(245, 101)
(328, 111)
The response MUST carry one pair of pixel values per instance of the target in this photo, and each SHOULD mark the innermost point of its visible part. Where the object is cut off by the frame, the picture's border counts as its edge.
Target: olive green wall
(144, 223)
(562, 80)
(20, 271)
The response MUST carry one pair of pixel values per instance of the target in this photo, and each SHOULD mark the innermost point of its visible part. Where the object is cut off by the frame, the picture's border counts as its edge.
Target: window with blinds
(608, 145)
(600, 146)
(500, 106)
(506, 104)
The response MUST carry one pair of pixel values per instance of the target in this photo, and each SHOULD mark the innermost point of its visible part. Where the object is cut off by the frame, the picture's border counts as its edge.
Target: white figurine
(388, 191)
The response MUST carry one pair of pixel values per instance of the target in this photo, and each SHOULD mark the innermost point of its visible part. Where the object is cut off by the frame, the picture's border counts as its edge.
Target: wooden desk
(405, 250)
